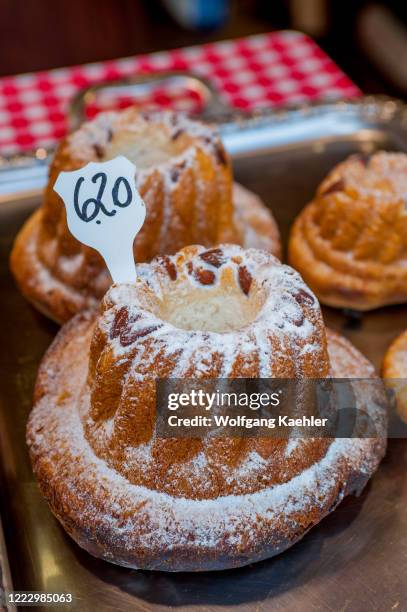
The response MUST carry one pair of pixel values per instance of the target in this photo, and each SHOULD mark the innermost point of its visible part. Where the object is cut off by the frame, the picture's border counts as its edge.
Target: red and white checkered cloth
(258, 71)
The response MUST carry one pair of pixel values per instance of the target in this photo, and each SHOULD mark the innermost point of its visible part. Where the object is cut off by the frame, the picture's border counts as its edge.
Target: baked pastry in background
(350, 242)
(138, 500)
(395, 367)
(185, 178)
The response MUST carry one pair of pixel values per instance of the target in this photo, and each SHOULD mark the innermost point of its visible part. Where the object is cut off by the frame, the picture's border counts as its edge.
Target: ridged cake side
(279, 333)
(183, 175)
(185, 178)
(350, 242)
(140, 527)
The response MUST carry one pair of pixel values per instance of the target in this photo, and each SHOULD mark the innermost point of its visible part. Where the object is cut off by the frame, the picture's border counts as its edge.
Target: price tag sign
(105, 211)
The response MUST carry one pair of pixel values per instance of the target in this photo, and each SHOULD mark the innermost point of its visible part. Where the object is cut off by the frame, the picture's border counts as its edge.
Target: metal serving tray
(356, 559)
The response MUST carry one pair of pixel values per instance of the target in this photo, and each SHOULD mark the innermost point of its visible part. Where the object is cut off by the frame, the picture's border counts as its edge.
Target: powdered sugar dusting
(170, 521)
(107, 126)
(281, 315)
(381, 176)
(129, 520)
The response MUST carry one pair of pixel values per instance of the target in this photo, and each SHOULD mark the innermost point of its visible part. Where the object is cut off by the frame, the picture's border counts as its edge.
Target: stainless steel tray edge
(6, 584)
(244, 134)
(370, 116)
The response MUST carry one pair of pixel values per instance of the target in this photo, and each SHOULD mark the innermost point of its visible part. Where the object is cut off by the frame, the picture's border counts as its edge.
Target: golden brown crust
(102, 520)
(184, 176)
(395, 367)
(256, 222)
(136, 332)
(60, 301)
(104, 472)
(350, 242)
(49, 295)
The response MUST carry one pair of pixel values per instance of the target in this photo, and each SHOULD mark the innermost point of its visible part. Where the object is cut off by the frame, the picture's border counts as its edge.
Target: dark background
(42, 34)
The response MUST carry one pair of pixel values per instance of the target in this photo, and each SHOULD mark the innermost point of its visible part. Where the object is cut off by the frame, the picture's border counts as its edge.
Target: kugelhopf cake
(184, 176)
(350, 242)
(394, 371)
(209, 503)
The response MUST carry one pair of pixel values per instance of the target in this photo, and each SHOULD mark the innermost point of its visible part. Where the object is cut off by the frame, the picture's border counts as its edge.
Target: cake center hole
(210, 310)
(151, 146)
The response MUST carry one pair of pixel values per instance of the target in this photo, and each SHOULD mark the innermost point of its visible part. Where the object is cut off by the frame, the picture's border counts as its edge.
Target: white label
(105, 211)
